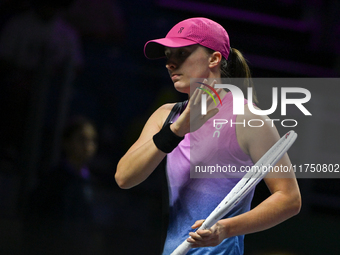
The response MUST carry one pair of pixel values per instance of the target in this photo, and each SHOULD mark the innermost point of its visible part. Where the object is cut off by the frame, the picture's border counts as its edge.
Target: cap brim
(155, 48)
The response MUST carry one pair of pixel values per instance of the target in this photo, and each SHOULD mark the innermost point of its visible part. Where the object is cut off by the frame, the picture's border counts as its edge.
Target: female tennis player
(199, 48)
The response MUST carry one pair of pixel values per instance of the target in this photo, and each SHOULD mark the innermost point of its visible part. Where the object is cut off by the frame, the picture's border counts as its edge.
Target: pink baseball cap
(192, 31)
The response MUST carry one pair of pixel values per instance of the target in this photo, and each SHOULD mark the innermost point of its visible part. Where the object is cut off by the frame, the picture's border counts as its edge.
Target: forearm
(135, 166)
(285, 199)
(272, 211)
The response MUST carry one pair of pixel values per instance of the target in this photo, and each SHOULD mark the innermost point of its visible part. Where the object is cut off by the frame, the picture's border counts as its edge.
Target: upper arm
(152, 126)
(256, 141)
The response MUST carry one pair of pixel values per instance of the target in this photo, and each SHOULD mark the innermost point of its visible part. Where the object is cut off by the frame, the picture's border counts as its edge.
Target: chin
(181, 87)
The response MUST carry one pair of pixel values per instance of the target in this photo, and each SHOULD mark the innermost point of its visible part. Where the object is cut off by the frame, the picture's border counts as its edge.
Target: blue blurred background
(86, 59)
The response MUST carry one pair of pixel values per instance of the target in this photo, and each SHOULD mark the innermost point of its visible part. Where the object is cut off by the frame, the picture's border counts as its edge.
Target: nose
(171, 64)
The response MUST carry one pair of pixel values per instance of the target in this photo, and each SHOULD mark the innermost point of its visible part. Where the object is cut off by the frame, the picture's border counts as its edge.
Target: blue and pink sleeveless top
(192, 199)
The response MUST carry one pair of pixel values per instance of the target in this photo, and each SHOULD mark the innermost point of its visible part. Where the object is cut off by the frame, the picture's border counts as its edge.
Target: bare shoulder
(166, 108)
(156, 120)
(162, 113)
(257, 133)
(153, 125)
(256, 139)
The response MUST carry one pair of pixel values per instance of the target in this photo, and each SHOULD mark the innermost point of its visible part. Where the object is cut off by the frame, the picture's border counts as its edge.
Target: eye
(182, 53)
(167, 53)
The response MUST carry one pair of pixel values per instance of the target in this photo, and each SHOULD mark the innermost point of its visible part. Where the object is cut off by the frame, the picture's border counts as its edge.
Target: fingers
(193, 113)
(204, 232)
(202, 238)
(200, 235)
(213, 93)
(206, 237)
(196, 97)
(204, 88)
(197, 224)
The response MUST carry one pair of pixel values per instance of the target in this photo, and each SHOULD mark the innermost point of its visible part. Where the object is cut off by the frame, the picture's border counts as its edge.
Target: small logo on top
(180, 30)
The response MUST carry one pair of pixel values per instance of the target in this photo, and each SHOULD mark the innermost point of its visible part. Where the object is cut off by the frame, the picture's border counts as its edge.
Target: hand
(207, 237)
(191, 119)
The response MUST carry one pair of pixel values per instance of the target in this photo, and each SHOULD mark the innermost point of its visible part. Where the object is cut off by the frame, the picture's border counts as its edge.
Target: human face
(82, 146)
(185, 63)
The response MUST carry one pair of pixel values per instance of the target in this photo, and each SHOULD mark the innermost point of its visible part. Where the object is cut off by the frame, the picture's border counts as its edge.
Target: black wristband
(166, 140)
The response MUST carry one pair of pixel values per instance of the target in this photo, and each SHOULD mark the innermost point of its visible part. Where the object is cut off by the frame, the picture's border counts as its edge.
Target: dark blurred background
(61, 59)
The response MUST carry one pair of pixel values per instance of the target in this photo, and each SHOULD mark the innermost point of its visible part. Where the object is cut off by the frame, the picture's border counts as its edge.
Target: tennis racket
(245, 185)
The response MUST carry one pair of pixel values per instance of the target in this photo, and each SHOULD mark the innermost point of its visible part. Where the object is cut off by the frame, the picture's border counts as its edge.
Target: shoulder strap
(177, 109)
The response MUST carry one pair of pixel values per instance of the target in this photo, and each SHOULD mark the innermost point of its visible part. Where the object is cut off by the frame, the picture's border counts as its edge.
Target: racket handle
(182, 249)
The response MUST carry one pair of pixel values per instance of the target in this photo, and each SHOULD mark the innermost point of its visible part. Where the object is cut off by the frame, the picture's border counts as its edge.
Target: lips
(175, 77)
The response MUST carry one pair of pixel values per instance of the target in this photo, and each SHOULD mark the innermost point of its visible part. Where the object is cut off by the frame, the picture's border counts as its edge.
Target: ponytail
(236, 67)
